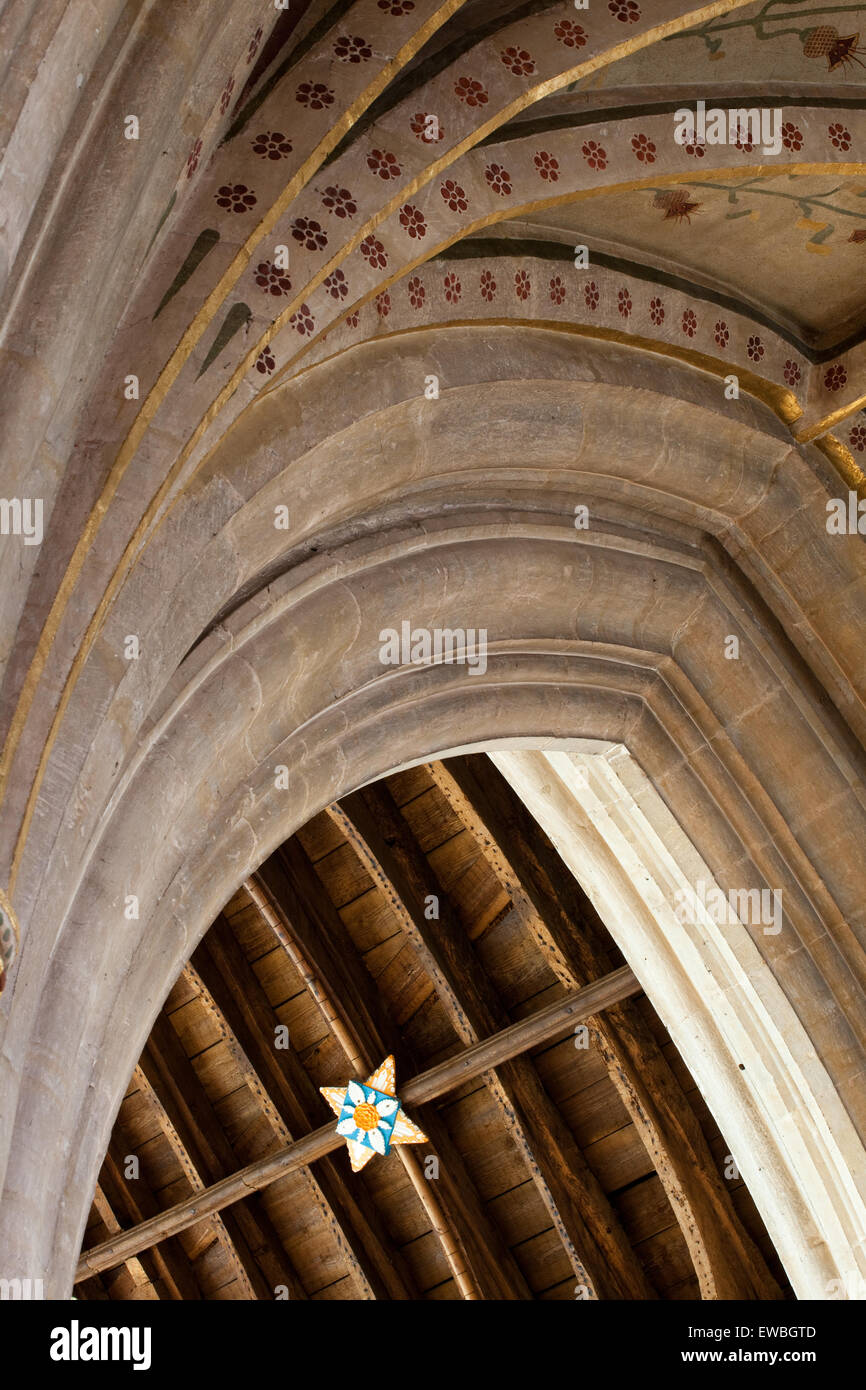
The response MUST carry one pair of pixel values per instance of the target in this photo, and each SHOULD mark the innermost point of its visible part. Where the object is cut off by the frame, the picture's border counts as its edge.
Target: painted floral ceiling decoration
(375, 213)
(370, 1117)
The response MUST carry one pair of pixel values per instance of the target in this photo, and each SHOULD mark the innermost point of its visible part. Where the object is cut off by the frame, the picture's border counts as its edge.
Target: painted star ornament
(369, 1115)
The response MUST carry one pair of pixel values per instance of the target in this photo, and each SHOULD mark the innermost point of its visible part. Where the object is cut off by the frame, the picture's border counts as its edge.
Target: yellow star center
(366, 1116)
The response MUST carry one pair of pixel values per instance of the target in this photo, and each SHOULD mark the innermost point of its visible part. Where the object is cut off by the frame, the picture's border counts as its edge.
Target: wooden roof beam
(576, 945)
(539, 1028)
(441, 1224)
(590, 1229)
(327, 945)
(137, 1278)
(210, 1230)
(369, 1251)
(132, 1200)
(458, 1236)
(249, 1227)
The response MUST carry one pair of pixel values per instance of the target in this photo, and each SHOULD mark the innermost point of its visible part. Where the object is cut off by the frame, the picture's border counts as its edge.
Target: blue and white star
(370, 1118)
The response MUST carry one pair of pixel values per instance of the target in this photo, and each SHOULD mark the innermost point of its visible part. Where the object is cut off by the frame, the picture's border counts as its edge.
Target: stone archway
(290, 675)
(171, 645)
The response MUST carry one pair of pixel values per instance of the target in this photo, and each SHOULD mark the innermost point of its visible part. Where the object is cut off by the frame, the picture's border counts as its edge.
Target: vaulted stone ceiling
(240, 310)
(156, 258)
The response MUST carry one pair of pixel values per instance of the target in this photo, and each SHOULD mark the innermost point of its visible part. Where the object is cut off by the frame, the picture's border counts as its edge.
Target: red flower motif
(755, 348)
(839, 136)
(858, 235)
(792, 373)
(309, 234)
(857, 438)
(644, 149)
(657, 311)
(742, 141)
(427, 128)
(383, 304)
(590, 295)
(236, 197)
(350, 50)
(488, 285)
(499, 179)
(721, 333)
(339, 201)
(518, 61)
(454, 196)
(226, 95)
(193, 158)
(265, 362)
(353, 319)
(453, 288)
(595, 154)
(337, 285)
(571, 34)
(835, 377)
(624, 303)
(522, 285)
(271, 279)
(626, 10)
(373, 251)
(397, 7)
(383, 163)
(690, 323)
(471, 92)
(303, 321)
(557, 290)
(547, 166)
(696, 149)
(792, 138)
(272, 145)
(315, 95)
(254, 43)
(417, 293)
(412, 220)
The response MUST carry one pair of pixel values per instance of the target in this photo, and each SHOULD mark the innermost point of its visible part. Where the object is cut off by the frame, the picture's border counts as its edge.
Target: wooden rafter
(590, 1229)
(211, 1231)
(139, 1273)
(174, 1079)
(435, 1214)
(573, 940)
(446, 1221)
(539, 1028)
(132, 1200)
(328, 945)
(369, 1252)
(331, 950)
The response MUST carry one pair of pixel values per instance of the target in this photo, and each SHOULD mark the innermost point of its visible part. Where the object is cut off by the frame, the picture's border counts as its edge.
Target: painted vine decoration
(678, 204)
(9, 939)
(821, 41)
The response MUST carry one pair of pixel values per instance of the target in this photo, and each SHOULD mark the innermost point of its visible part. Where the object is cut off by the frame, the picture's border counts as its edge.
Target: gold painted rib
(822, 426)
